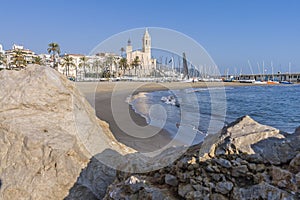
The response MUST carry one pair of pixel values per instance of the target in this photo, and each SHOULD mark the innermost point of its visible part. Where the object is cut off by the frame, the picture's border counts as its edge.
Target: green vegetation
(38, 60)
(55, 50)
(123, 65)
(83, 63)
(68, 62)
(135, 63)
(19, 59)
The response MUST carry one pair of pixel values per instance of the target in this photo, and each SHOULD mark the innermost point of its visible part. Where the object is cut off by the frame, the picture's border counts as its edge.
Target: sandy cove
(99, 94)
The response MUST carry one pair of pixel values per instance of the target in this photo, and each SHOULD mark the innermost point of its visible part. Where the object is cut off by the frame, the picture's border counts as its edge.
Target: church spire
(146, 42)
(129, 42)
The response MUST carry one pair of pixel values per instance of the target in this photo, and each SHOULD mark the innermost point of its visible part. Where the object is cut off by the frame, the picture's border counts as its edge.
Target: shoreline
(99, 95)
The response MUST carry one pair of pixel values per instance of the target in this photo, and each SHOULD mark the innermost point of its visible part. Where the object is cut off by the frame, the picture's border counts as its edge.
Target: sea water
(207, 110)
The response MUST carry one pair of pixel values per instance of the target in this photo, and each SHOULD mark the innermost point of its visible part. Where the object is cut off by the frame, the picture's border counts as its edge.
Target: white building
(2, 52)
(71, 71)
(15, 47)
(1, 49)
(147, 63)
(29, 55)
(46, 59)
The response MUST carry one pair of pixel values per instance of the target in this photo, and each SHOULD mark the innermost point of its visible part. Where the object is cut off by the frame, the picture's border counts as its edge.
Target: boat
(190, 80)
(286, 82)
(170, 100)
(271, 82)
(247, 81)
(260, 82)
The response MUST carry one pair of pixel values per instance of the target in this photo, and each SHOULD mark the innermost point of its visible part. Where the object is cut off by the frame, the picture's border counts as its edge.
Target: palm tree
(110, 60)
(123, 64)
(135, 63)
(4, 61)
(68, 62)
(82, 63)
(54, 49)
(38, 60)
(2, 58)
(95, 67)
(19, 58)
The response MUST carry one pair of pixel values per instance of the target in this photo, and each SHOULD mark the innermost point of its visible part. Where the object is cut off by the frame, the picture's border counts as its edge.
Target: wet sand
(127, 126)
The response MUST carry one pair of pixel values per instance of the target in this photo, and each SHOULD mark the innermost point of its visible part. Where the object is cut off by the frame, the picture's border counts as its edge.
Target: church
(147, 64)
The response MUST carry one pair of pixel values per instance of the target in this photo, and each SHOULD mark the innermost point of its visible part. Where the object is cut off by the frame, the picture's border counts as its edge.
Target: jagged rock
(93, 181)
(194, 195)
(48, 133)
(136, 187)
(237, 137)
(283, 178)
(260, 191)
(216, 177)
(232, 173)
(276, 151)
(295, 164)
(209, 168)
(171, 180)
(217, 197)
(134, 184)
(192, 161)
(202, 189)
(241, 161)
(252, 166)
(260, 167)
(297, 177)
(240, 170)
(231, 176)
(224, 187)
(223, 162)
(183, 189)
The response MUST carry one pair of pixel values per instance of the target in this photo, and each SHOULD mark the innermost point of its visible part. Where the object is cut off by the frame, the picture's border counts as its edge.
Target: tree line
(19, 61)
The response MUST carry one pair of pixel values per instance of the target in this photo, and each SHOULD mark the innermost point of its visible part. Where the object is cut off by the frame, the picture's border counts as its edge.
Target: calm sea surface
(208, 110)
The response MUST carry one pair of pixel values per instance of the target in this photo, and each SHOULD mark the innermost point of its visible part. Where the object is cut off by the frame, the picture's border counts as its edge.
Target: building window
(146, 42)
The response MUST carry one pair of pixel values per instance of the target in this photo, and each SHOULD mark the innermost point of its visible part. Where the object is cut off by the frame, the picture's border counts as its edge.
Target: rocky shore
(52, 145)
(245, 160)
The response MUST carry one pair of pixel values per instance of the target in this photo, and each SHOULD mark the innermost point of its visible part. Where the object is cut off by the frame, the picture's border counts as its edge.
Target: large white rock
(237, 137)
(48, 133)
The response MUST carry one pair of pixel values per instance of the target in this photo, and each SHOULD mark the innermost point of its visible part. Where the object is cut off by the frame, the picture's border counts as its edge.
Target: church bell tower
(147, 43)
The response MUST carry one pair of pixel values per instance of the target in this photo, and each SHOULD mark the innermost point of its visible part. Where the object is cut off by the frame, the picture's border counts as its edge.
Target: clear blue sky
(231, 31)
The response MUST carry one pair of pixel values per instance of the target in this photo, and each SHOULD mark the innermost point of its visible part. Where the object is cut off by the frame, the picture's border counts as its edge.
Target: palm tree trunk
(53, 56)
(75, 73)
(84, 70)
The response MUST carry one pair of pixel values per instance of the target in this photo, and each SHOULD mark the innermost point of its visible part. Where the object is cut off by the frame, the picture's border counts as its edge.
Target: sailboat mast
(272, 71)
(290, 71)
(264, 70)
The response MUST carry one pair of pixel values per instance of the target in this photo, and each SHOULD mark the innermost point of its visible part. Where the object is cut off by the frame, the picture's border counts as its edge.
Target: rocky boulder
(48, 133)
(237, 137)
(235, 165)
(258, 142)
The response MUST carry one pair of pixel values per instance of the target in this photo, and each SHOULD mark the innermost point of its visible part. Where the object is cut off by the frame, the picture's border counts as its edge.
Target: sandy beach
(100, 95)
